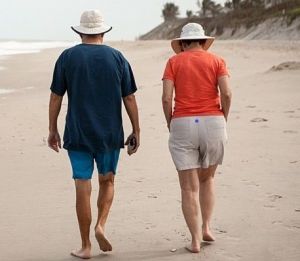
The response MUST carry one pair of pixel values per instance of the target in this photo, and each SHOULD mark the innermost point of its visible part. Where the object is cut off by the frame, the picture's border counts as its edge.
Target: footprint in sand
(220, 231)
(291, 65)
(294, 117)
(293, 227)
(277, 222)
(259, 120)
(289, 111)
(152, 196)
(293, 162)
(275, 197)
(290, 131)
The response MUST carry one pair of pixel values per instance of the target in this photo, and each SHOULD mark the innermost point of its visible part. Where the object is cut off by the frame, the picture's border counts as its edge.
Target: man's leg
(189, 184)
(83, 209)
(207, 199)
(105, 198)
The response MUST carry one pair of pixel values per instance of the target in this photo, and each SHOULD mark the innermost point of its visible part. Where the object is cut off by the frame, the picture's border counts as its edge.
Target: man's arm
(225, 95)
(167, 100)
(132, 111)
(54, 109)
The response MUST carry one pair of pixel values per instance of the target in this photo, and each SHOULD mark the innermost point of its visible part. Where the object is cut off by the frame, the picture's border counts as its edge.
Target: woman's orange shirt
(195, 75)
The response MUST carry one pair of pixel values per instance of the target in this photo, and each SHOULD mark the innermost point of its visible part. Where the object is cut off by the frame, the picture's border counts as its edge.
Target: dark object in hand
(132, 143)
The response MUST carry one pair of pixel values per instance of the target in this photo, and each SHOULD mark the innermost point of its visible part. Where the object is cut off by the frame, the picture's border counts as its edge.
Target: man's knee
(106, 180)
(83, 184)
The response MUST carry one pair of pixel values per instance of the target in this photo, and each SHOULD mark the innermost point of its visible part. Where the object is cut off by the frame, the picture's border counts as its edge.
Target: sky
(51, 19)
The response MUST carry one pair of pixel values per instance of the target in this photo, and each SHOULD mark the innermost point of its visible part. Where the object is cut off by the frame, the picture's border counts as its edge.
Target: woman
(197, 124)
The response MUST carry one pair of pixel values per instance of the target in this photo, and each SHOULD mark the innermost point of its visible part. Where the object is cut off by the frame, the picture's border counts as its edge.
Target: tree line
(211, 8)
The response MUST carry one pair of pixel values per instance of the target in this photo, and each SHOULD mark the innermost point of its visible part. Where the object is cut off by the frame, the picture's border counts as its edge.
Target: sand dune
(257, 215)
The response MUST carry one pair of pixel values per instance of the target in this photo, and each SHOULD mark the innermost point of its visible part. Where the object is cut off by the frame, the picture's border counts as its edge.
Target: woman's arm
(225, 95)
(167, 100)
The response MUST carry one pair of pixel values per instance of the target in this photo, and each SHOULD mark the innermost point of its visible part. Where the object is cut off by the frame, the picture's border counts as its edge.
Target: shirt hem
(199, 114)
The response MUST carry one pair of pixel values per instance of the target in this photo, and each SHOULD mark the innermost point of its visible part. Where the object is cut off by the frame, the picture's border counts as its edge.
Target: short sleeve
(222, 69)
(168, 73)
(58, 85)
(128, 85)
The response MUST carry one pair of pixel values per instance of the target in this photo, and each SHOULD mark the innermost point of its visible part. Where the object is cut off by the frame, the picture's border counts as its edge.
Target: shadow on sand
(134, 255)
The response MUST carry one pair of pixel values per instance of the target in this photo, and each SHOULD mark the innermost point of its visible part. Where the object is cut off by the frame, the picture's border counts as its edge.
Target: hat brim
(175, 43)
(91, 31)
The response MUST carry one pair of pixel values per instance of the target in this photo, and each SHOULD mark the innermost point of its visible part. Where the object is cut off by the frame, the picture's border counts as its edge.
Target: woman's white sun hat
(91, 23)
(191, 31)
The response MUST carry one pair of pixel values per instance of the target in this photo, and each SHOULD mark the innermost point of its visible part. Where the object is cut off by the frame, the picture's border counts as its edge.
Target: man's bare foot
(83, 253)
(102, 241)
(193, 249)
(207, 235)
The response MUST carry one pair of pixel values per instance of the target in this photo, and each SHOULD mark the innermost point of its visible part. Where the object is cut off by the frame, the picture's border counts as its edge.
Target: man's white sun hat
(91, 23)
(191, 31)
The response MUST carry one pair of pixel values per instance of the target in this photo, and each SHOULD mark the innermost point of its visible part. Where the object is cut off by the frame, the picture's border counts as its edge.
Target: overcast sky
(51, 19)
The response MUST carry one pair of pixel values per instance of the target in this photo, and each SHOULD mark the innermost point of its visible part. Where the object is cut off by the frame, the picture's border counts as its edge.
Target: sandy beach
(257, 213)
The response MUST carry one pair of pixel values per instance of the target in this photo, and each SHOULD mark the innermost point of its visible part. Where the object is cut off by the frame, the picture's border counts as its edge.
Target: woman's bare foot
(193, 249)
(207, 235)
(102, 241)
(83, 253)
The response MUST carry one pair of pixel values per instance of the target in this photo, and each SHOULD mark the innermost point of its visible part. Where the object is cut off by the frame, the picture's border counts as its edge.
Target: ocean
(8, 48)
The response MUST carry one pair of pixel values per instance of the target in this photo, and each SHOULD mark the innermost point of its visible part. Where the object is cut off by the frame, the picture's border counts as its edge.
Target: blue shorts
(83, 163)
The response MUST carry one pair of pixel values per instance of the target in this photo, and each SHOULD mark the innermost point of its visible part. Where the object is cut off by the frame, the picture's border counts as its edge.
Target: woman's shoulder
(214, 56)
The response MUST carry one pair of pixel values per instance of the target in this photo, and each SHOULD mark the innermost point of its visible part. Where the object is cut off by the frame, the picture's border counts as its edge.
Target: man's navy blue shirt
(96, 77)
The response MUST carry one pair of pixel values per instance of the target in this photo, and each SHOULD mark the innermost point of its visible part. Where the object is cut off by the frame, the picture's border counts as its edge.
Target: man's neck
(92, 40)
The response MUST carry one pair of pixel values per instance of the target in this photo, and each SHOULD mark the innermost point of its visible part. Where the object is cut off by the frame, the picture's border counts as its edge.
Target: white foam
(14, 47)
(6, 91)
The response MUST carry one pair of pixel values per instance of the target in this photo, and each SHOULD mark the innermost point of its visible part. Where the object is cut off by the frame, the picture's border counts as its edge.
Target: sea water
(8, 48)
(14, 47)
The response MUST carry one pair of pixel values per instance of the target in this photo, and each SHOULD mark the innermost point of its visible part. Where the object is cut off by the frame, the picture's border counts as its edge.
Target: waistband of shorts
(198, 117)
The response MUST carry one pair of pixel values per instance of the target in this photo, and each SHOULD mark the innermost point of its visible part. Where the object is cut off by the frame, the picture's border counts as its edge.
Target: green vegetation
(248, 13)
(233, 15)
(170, 11)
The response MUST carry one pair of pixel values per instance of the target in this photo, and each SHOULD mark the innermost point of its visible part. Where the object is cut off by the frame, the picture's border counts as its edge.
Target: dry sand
(257, 214)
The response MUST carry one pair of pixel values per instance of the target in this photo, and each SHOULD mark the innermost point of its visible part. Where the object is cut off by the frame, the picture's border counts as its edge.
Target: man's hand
(54, 141)
(133, 141)
(133, 138)
(54, 109)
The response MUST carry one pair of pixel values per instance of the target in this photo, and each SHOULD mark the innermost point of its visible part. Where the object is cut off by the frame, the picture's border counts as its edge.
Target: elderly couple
(97, 78)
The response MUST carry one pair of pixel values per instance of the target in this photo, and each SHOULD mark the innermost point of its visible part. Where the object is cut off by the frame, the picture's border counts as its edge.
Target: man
(197, 125)
(96, 78)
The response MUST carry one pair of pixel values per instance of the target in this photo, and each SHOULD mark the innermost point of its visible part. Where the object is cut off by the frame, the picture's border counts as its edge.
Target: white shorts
(197, 141)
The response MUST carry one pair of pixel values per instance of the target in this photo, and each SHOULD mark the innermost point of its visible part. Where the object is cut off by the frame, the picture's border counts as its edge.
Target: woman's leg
(189, 183)
(207, 199)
